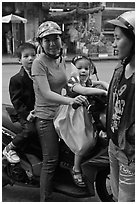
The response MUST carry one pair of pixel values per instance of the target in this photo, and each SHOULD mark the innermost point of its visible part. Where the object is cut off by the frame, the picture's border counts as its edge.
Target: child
(82, 84)
(23, 98)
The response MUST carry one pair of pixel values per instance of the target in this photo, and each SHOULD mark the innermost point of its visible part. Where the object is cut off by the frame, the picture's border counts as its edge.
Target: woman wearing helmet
(121, 111)
(49, 78)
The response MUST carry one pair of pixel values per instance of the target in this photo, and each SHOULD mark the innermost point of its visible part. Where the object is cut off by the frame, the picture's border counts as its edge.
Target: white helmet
(125, 20)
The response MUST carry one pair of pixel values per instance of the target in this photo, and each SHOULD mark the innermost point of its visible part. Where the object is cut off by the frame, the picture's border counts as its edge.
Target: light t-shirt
(57, 79)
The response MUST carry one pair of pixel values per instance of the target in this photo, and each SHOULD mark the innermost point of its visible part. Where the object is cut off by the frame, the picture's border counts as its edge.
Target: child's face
(27, 57)
(83, 67)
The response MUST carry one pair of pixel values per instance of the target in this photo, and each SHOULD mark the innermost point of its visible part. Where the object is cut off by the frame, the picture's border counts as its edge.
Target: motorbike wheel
(5, 182)
(103, 187)
(5, 178)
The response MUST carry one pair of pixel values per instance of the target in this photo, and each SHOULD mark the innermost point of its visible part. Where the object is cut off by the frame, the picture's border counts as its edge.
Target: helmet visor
(49, 32)
(121, 22)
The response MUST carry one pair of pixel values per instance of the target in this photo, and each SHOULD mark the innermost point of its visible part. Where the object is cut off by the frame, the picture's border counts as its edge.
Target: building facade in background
(83, 23)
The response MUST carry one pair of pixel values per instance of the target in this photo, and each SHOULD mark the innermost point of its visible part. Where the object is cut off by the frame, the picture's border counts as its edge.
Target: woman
(121, 111)
(49, 77)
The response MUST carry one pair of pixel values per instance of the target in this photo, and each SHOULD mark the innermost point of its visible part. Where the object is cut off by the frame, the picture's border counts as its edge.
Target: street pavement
(28, 194)
(10, 59)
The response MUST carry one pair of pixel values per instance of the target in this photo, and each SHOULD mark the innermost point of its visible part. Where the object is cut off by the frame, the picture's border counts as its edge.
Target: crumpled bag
(75, 128)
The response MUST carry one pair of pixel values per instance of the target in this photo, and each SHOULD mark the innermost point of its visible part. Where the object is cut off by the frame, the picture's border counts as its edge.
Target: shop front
(80, 27)
(78, 20)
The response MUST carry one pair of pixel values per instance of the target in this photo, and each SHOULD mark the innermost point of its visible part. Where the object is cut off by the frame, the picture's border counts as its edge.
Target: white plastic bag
(75, 128)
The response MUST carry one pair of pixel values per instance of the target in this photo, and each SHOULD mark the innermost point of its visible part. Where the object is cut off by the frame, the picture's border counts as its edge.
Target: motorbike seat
(7, 122)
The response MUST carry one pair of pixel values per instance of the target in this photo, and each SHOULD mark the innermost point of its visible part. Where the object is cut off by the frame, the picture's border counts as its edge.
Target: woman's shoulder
(39, 65)
(41, 57)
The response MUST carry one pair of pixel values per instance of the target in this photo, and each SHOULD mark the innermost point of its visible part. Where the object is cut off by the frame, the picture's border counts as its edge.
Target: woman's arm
(53, 97)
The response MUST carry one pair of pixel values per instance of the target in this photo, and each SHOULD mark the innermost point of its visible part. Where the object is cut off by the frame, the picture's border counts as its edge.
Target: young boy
(23, 98)
(83, 85)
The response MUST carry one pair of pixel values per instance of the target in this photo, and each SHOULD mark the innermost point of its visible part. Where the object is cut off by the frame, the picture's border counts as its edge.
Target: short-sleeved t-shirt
(120, 100)
(57, 79)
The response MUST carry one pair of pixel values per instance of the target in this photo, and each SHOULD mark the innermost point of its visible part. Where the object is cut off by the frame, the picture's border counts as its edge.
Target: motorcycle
(95, 165)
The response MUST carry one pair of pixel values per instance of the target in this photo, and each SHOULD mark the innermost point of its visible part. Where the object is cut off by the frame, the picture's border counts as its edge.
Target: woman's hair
(23, 47)
(131, 36)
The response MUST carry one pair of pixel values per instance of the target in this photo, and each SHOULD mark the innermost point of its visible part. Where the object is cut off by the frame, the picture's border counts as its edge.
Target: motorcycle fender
(7, 135)
(5, 178)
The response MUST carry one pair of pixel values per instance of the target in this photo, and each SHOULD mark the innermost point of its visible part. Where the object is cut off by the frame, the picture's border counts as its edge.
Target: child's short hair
(23, 47)
(79, 57)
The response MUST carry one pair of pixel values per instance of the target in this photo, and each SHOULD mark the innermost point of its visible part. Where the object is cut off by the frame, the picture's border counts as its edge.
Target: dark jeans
(50, 150)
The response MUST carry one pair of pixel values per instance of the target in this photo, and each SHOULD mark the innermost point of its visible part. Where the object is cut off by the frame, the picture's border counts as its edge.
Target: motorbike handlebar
(98, 99)
(75, 106)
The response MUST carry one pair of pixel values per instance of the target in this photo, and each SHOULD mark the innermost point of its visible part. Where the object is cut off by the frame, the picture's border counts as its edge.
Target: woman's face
(52, 44)
(122, 44)
(83, 67)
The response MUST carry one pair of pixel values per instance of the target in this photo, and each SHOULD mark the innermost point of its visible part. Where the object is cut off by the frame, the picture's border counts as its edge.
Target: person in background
(9, 42)
(23, 98)
(82, 84)
(49, 78)
(121, 111)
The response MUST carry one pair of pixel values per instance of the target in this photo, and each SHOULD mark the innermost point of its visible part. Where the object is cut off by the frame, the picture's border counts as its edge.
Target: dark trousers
(50, 150)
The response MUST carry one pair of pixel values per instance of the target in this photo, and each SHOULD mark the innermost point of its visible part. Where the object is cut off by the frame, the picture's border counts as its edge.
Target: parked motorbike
(95, 165)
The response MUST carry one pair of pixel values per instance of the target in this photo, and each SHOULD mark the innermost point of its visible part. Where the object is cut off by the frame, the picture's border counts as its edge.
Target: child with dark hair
(23, 98)
(23, 47)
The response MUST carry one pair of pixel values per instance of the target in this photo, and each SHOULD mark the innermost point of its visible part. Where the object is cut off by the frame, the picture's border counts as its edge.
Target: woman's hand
(78, 101)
